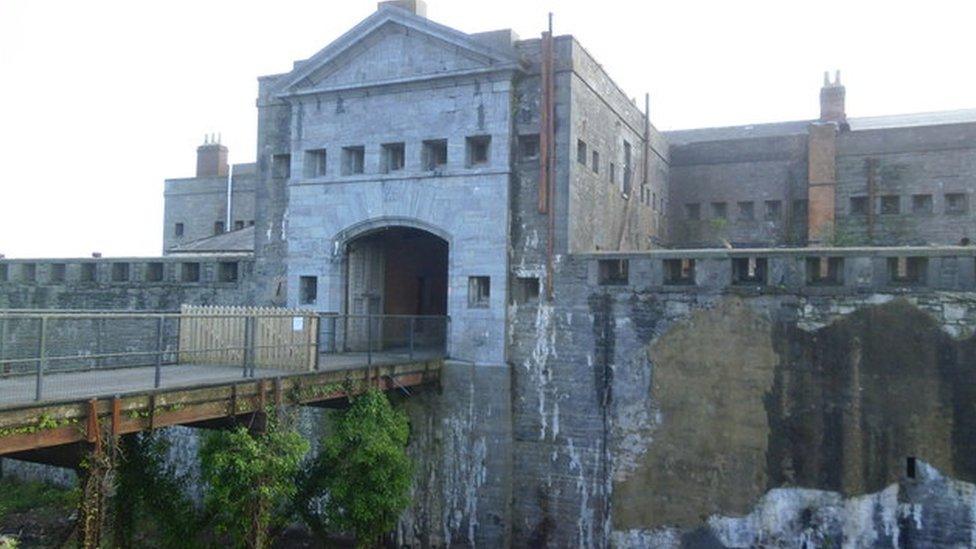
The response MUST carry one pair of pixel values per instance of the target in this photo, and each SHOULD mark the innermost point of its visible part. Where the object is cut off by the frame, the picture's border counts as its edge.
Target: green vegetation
(19, 497)
(363, 472)
(251, 479)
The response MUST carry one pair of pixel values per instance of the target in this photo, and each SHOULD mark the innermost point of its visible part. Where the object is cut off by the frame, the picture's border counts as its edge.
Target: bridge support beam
(96, 474)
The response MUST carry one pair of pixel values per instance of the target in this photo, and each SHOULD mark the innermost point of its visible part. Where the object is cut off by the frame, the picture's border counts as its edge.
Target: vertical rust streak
(116, 416)
(544, 108)
(92, 428)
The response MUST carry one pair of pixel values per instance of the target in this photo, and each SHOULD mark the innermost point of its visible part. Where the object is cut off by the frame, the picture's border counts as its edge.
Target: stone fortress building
(657, 338)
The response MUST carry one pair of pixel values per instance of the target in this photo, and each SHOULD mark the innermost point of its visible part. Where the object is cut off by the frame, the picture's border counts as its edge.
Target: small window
(218, 227)
(825, 271)
(28, 272)
(178, 230)
(526, 290)
(628, 170)
(190, 272)
(250, 223)
(88, 272)
(315, 163)
(393, 157)
(120, 272)
(57, 272)
(353, 160)
(308, 289)
(891, 204)
(679, 272)
(227, 271)
(921, 203)
(529, 146)
(859, 205)
(478, 150)
(720, 210)
(154, 272)
(956, 203)
(774, 210)
(281, 166)
(746, 211)
(4, 272)
(693, 211)
(479, 292)
(907, 270)
(434, 154)
(613, 272)
(748, 270)
(613, 173)
(239, 224)
(800, 209)
(581, 152)
(596, 162)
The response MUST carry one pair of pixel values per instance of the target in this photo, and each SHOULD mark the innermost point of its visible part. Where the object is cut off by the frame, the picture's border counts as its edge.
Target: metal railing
(56, 355)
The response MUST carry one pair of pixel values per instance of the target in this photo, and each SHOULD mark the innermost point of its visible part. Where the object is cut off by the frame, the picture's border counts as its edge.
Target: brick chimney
(416, 7)
(212, 158)
(832, 100)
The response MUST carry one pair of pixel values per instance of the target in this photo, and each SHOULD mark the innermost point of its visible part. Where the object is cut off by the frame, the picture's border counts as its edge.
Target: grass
(21, 496)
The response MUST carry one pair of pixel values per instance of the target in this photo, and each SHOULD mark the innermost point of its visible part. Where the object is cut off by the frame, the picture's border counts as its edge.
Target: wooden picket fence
(283, 339)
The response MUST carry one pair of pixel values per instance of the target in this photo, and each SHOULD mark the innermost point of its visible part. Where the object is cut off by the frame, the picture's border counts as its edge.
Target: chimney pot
(832, 100)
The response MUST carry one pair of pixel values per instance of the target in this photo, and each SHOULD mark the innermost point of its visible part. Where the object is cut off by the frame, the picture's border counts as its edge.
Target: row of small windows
(745, 210)
(227, 271)
(591, 159)
(179, 229)
(393, 158)
(820, 271)
(479, 291)
(953, 204)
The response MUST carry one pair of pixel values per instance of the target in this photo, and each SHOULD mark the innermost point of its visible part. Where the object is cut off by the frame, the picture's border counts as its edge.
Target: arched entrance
(399, 273)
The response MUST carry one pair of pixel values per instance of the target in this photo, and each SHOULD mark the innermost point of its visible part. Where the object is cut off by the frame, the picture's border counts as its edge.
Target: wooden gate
(283, 339)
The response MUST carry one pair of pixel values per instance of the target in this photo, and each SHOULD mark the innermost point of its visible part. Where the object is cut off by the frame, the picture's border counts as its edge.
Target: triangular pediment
(393, 45)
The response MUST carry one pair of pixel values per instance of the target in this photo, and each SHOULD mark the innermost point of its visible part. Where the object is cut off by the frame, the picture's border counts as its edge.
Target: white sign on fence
(298, 323)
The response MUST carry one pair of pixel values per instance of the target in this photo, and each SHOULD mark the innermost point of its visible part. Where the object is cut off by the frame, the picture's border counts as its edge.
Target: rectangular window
(120, 272)
(178, 230)
(613, 174)
(581, 152)
(679, 272)
(891, 204)
(800, 210)
(190, 272)
(921, 203)
(748, 270)
(628, 169)
(526, 290)
(434, 154)
(239, 224)
(28, 272)
(57, 272)
(154, 272)
(825, 271)
(281, 166)
(746, 211)
(218, 227)
(859, 205)
(720, 210)
(596, 162)
(956, 203)
(529, 146)
(479, 292)
(353, 160)
(907, 270)
(227, 271)
(693, 211)
(89, 272)
(4, 272)
(613, 272)
(774, 210)
(393, 157)
(308, 289)
(315, 163)
(478, 150)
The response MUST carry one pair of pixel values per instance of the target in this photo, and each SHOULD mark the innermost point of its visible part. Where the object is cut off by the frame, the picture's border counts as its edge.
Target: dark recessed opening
(749, 270)
(825, 271)
(907, 270)
(308, 289)
(911, 467)
(526, 290)
(613, 272)
(154, 272)
(679, 272)
(227, 271)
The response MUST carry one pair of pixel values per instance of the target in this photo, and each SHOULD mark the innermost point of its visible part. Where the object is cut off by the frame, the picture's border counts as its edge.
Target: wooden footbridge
(68, 379)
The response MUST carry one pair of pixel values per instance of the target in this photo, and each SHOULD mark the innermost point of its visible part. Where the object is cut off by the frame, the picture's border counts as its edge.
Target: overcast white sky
(102, 100)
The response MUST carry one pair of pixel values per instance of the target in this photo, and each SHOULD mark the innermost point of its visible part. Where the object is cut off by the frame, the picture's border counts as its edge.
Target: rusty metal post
(41, 344)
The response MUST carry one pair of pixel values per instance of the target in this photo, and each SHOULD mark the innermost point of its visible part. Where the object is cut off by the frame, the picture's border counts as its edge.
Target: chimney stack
(832, 100)
(212, 158)
(416, 7)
